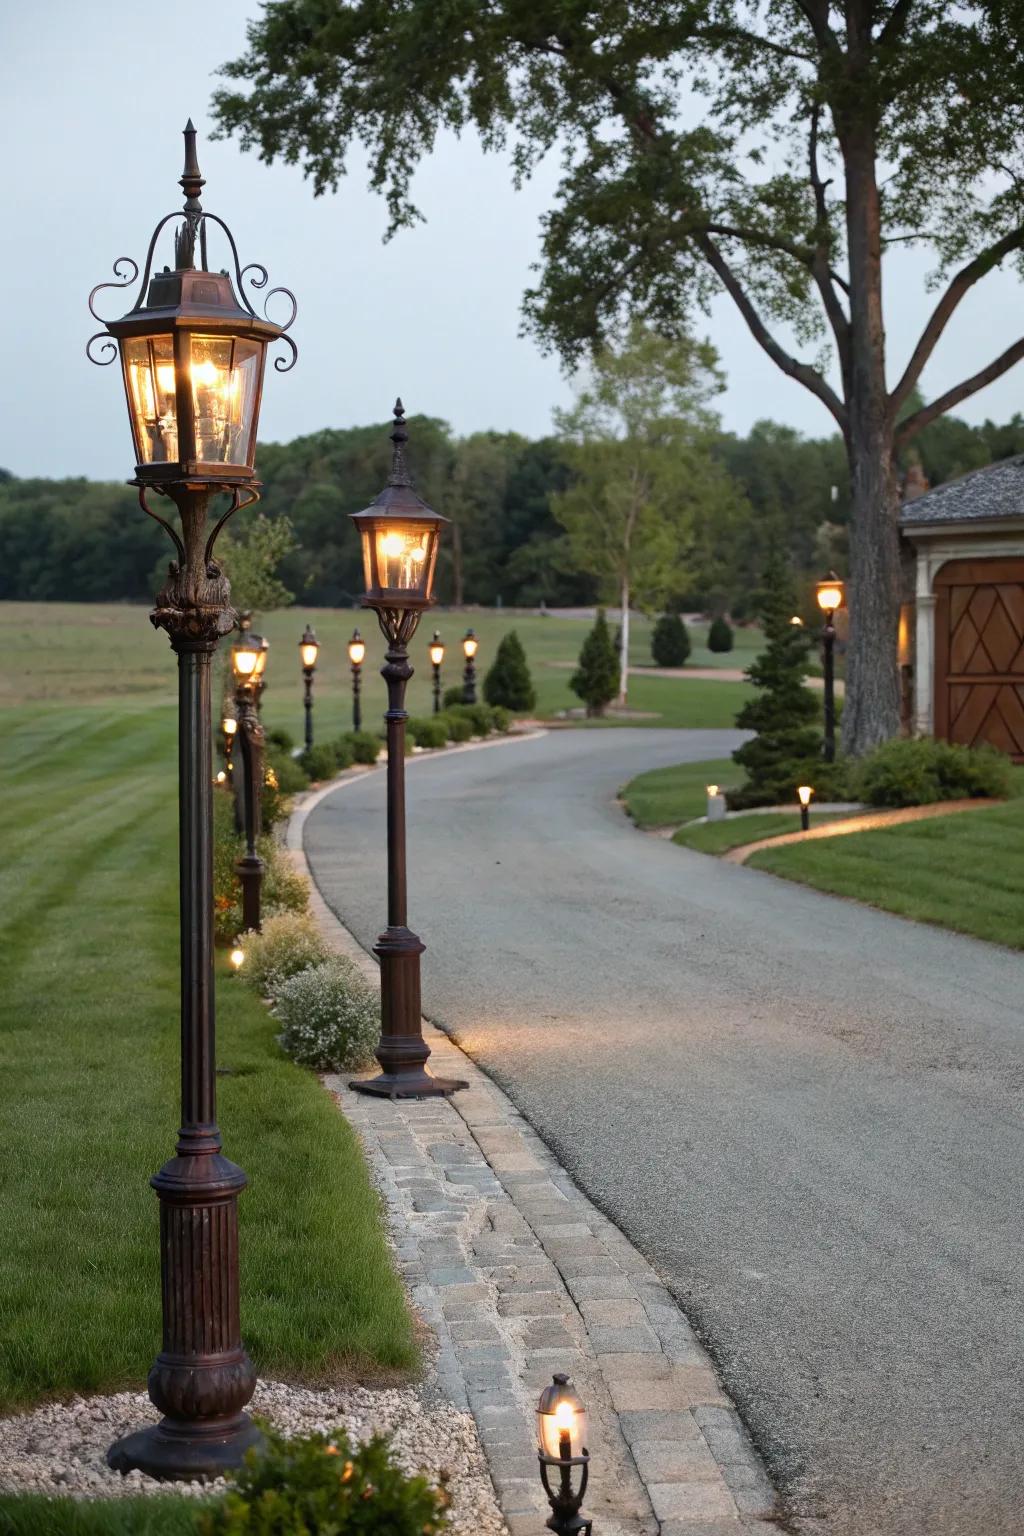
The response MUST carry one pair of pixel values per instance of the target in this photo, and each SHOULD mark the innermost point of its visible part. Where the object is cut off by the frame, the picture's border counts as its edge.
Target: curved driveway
(807, 1114)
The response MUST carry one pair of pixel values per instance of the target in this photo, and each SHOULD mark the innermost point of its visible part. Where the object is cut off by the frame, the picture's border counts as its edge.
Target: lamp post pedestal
(357, 711)
(402, 1051)
(469, 681)
(437, 687)
(249, 868)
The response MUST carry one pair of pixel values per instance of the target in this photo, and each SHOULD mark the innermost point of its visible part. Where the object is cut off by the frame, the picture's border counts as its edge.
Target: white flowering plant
(329, 1016)
(288, 943)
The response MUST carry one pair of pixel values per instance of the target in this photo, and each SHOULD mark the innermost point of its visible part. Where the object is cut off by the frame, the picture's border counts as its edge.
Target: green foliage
(319, 762)
(786, 749)
(720, 635)
(275, 801)
(329, 1016)
(251, 556)
(326, 1485)
(501, 718)
(596, 679)
(38, 1515)
(284, 889)
(451, 696)
(670, 642)
(428, 730)
(926, 771)
(283, 740)
(508, 680)
(342, 749)
(287, 943)
(457, 724)
(365, 747)
(291, 776)
(480, 716)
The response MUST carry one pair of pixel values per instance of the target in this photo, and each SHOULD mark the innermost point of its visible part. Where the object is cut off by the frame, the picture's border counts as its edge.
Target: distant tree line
(87, 541)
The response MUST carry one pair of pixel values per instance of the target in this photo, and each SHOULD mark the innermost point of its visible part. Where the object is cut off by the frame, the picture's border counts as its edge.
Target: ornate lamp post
(561, 1448)
(830, 598)
(248, 663)
(436, 658)
(356, 656)
(399, 534)
(308, 650)
(469, 646)
(192, 353)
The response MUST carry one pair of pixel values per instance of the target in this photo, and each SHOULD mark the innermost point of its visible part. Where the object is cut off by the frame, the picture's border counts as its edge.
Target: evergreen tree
(720, 635)
(508, 683)
(670, 642)
(786, 751)
(596, 679)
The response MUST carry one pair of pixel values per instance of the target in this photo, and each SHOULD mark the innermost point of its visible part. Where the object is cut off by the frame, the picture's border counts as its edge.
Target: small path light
(804, 793)
(356, 656)
(561, 1447)
(248, 663)
(797, 621)
(192, 351)
(716, 803)
(400, 536)
(436, 658)
(237, 959)
(308, 651)
(830, 599)
(469, 648)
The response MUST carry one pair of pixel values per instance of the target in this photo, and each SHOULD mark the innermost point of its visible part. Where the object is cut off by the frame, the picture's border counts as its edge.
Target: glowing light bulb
(419, 554)
(221, 776)
(205, 373)
(565, 1418)
(392, 544)
(165, 378)
(804, 791)
(712, 789)
(238, 958)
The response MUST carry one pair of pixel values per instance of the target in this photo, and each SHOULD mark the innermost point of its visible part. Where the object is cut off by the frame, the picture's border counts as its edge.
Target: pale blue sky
(94, 98)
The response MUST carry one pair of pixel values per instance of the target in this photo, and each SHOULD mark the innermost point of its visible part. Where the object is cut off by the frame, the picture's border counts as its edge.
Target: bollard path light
(469, 650)
(356, 656)
(830, 599)
(248, 664)
(308, 652)
(804, 793)
(192, 352)
(716, 803)
(399, 534)
(436, 658)
(562, 1450)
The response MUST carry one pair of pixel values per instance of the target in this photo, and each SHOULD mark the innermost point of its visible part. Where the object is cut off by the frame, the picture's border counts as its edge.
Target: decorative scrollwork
(126, 282)
(109, 345)
(257, 282)
(294, 304)
(280, 366)
(239, 273)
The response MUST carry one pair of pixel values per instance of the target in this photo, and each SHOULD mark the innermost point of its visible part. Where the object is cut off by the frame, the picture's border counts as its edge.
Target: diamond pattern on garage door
(985, 674)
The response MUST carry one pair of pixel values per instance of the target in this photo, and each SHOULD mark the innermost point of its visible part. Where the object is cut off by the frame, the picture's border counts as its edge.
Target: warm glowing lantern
(469, 645)
(356, 649)
(829, 594)
(436, 650)
(399, 534)
(308, 648)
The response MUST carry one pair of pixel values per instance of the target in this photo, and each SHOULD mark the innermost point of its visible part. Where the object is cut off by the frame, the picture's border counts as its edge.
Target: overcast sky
(95, 95)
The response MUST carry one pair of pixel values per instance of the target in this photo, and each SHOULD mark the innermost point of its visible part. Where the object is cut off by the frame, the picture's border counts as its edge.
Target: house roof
(981, 495)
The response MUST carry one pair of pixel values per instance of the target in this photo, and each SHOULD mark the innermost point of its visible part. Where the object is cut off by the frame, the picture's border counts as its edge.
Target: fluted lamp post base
(177, 1450)
(402, 1052)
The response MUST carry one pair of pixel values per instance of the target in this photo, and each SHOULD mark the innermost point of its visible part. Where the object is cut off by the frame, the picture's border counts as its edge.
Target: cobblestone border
(518, 1275)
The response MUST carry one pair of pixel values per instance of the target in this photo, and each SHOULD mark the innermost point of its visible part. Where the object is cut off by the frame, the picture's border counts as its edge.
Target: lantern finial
(400, 436)
(192, 183)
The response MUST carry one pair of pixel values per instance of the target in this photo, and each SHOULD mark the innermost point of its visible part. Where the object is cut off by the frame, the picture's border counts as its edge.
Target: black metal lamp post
(192, 352)
(830, 598)
(399, 534)
(469, 646)
(356, 656)
(436, 658)
(562, 1449)
(308, 650)
(248, 663)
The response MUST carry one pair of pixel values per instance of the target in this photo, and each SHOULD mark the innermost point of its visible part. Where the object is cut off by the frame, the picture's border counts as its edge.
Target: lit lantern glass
(436, 650)
(829, 593)
(238, 958)
(398, 562)
(356, 649)
(804, 792)
(712, 789)
(248, 656)
(309, 649)
(229, 725)
(469, 645)
(261, 659)
(221, 777)
(561, 1422)
(797, 621)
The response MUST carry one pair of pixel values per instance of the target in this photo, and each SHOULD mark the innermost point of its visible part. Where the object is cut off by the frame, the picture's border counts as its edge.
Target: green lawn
(964, 872)
(720, 836)
(33, 1515)
(666, 796)
(89, 1052)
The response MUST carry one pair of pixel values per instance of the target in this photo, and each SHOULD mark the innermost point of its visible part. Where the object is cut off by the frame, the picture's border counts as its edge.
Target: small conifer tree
(786, 749)
(720, 634)
(596, 679)
(670, 642)
(508, 681)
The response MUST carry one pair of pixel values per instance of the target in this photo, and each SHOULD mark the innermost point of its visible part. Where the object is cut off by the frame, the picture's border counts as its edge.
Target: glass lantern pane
(149, 373)
(225, 380)
(404, 557)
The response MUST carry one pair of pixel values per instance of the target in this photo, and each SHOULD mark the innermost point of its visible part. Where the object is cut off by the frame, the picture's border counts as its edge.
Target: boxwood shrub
(925, 771)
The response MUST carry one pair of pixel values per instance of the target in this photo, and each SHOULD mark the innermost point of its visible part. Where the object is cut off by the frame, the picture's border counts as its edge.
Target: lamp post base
(184, 1450)
(408, 1085)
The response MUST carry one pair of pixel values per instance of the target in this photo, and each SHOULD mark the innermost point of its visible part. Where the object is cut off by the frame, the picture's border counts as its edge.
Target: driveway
(805, 1113)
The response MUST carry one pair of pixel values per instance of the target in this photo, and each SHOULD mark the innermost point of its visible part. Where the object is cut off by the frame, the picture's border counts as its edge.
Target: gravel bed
(60, 1448)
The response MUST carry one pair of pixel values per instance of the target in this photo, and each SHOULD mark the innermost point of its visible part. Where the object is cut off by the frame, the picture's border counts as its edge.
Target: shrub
(720, 636)
(325, 1485)
(329, 1016)
(275, 805)
(428, 730)
(596, 679)
(344, 752)
(452, 696)
(365, 746)
(480, 716)
(283, 740)
(501, 718)
(508, 679)
(291, 776)
(319, 762)
(670, 642)
(924, 771)
(284, 889)
(289, 942)
(457, 724)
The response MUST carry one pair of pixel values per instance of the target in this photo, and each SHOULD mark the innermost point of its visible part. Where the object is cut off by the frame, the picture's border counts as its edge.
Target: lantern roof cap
(399, 499)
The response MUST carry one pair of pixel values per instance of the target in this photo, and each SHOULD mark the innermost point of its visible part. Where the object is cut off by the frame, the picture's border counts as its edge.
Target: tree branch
(804, 374)
(895, 23)
(715, 34)
(943, 311)
(920, 419)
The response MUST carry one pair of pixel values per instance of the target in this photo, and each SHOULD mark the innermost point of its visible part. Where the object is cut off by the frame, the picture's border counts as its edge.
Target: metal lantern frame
(566, 1518)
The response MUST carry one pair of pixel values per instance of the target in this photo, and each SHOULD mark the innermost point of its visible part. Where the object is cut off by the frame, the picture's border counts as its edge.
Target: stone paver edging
(518, 1275)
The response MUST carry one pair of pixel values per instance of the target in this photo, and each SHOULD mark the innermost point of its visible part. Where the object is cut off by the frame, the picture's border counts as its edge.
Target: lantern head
(229, 725)
(469, 645)
(804, 793)
(399, 534)
(356, 649)
(249, 657)
(192, 355)
(308, 648)
(561, 1422)
(436, 649)
(829, 594)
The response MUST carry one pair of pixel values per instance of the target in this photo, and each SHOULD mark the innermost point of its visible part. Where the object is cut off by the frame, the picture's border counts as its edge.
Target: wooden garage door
(979, 653)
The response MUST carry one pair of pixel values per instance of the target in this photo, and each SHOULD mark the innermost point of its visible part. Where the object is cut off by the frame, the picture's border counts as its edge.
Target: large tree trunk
(624, 643)
(871, 712)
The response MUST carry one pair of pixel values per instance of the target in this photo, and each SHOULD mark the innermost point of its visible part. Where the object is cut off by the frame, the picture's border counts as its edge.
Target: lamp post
(830, 598)
(469, 646)
(561, 1448)
(804, 793)
(308, 651)
(248, 663)
(192, 352)
(356, 656)
(399, 534)
(436, 658)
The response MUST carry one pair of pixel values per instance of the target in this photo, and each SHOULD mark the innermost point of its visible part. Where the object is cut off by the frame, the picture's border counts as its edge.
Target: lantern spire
(192, 183)
(400, 436)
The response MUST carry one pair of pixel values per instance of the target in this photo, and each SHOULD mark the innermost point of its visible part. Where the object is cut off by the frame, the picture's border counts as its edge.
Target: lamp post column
(437, 687)
(828, 645)
(202, 1378)
(307, 677)
(357, 708)
(469, 681)
(249, 867)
